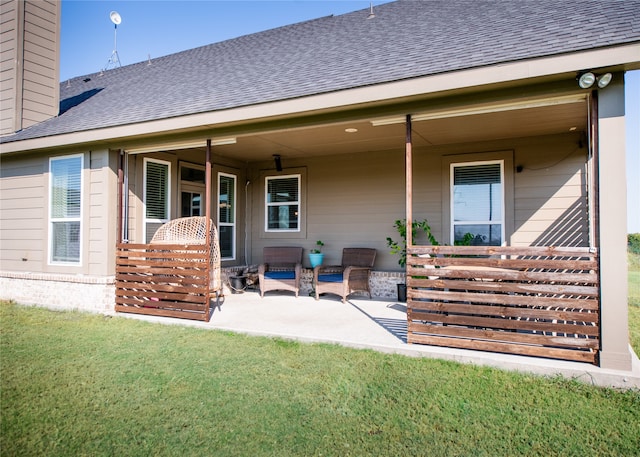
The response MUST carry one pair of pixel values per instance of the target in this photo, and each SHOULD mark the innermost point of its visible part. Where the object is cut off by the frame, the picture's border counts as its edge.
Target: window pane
(227, 200)
(66, 241)
(65, 187)
(477, 193)
(225, 234)
(282, 190)
(284, 217)
(156, 191)
(478, 235)
(282, 200)
(192, 174)
(190, 204)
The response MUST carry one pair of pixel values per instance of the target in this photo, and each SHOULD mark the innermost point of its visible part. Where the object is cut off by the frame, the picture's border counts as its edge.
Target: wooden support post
(120, 194)
(594, 198)
(207, 213)
(207, 195)
(409, 182)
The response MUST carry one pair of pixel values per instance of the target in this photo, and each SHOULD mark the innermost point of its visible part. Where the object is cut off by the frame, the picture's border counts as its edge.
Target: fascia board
(626, 55)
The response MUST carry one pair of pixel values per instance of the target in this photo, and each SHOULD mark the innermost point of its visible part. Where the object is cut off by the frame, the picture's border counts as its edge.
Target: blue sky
(155, 28)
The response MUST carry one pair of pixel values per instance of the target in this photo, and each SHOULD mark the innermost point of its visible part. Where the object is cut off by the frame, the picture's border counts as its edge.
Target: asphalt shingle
(406, 39)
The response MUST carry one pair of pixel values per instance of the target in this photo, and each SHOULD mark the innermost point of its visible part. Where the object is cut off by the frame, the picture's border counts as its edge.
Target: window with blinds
(282, 204)
(227, 215)
(477, 203)
(156, 195)
(65, 209)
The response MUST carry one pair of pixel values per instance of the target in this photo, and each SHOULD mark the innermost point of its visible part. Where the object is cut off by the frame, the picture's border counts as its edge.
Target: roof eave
(624, 57)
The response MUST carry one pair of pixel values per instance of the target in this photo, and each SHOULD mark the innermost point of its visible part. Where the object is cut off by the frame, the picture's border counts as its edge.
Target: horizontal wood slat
(170, 280)
(541, 263)
(558, 314)
(526, 288)
(500, 299)
(512, 348)
(520, 337)
(538, 301)
(505, 275)
(162, 312)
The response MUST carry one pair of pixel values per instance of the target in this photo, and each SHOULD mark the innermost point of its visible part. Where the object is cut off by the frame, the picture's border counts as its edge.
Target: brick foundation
(97, 294)
(58, 291)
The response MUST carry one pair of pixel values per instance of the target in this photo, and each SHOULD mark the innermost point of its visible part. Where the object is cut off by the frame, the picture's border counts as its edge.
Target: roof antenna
(371, 14)
(114, 60)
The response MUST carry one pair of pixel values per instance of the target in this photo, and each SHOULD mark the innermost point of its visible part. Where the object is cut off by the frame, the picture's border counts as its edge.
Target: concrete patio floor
(378, 324)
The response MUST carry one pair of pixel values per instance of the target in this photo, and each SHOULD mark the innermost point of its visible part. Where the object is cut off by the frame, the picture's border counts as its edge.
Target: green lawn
(634, 302)
(76, 384)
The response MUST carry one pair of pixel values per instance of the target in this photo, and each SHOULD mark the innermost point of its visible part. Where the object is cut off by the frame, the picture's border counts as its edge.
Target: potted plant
(315, 255)
(400, 247)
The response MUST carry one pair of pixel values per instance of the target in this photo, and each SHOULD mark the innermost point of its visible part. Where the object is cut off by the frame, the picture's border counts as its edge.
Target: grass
(89, 385)
(634, 301)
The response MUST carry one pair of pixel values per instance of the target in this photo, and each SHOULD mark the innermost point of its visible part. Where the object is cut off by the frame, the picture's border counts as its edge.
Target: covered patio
(514, 133)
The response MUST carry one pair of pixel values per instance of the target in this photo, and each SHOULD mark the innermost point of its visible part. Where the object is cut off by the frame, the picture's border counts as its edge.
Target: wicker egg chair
(193, 230)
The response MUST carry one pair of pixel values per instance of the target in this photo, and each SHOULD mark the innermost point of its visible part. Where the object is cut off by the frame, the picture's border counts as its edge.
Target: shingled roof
(406, 39)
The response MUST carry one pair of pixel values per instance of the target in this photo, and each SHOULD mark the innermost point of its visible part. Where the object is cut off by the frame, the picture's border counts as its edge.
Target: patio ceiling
(330, 139)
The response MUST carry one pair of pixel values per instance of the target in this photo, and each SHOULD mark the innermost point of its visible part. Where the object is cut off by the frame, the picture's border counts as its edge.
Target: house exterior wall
(26, 274)
(350, 200)
(23, 213)
(30, 63)
(353, 200)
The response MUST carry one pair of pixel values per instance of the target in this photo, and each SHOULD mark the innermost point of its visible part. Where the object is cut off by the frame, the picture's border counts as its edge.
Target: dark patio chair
(350, 277)
(281, 269)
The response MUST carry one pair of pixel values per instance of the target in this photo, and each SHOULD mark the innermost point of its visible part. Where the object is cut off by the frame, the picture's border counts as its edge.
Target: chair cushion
(280, 274)
(336, 277)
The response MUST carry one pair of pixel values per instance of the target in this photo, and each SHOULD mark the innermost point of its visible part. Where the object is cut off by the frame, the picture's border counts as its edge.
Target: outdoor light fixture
(587, 79)
(604, 80)
(276, 158)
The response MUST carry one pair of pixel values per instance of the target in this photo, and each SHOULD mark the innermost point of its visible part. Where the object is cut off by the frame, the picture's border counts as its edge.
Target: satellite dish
(115, 17)
(114, 60)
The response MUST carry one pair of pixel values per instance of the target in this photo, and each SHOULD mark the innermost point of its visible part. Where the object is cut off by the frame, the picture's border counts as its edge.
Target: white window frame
(235, 213)
(53, 219)
(267, 204)
(167, 217)
(502, 221)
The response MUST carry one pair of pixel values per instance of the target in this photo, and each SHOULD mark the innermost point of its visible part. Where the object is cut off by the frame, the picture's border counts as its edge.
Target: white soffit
(182, 145)
(483, 109)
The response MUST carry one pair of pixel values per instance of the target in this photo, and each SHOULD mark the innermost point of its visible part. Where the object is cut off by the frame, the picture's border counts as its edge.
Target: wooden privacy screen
(538, 301)
(170, 280)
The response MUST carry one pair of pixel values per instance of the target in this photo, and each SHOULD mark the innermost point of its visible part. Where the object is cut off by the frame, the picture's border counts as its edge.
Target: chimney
(30, 63)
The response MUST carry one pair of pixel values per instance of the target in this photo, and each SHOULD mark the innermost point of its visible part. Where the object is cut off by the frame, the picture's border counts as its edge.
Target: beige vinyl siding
(352, 200)
(41, 67)
(9, 44)
(551, 206)
(349, 199)
(29, 63)
(102, 213)
(23, 214)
